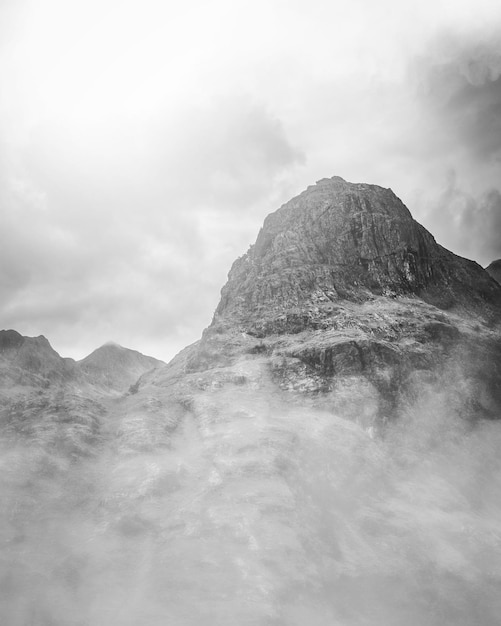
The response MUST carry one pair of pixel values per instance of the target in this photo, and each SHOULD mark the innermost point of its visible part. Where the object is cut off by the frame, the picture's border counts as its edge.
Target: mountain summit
(344, 241)
(116, 367)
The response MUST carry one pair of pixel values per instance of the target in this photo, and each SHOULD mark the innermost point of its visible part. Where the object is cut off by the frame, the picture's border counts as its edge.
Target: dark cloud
(468, 224)
(456, 140)
(459, 84)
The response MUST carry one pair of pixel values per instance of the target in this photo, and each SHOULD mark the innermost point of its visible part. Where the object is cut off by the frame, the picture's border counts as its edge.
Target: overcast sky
(143, 143)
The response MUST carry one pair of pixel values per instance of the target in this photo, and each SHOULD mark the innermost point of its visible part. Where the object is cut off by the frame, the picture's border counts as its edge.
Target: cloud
(125, 242)
(467, 223)
(456, 140)
(460, 85)
(228, 153)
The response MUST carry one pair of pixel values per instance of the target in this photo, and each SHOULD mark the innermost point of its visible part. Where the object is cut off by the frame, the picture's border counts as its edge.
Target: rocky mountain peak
(30, 359)
(10, 339)
(344, 241)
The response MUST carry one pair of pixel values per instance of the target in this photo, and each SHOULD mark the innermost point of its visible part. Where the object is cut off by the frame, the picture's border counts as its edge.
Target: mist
(254, 507)
(142, 145)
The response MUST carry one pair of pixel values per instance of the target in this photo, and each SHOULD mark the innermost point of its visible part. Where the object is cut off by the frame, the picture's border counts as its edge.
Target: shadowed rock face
(340, 241)
(494, 270)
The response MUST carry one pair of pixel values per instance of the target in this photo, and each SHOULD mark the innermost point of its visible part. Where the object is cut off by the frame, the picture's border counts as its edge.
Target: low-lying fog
(255, 512)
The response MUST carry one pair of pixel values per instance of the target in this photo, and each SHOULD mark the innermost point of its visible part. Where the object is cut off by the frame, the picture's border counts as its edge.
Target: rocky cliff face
(341, 285)
(339, 241)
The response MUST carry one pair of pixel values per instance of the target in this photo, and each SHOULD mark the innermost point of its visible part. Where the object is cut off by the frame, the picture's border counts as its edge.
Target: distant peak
(116, 367)
(495, 264)
(113, 351)
(10, 339)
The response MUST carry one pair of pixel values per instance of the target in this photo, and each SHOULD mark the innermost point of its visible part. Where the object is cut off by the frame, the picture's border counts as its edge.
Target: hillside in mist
(326, 454)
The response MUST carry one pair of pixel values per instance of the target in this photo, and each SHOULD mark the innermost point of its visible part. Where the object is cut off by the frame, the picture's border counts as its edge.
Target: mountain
(57, 403)
(31, 361)
(115, 367)
(326, 453)
(342, 285)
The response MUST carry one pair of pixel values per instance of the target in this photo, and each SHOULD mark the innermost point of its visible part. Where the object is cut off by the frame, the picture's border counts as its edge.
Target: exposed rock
(55, 401)
(339, 241)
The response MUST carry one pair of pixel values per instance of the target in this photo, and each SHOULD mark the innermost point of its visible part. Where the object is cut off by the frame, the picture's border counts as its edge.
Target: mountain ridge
(25, 359)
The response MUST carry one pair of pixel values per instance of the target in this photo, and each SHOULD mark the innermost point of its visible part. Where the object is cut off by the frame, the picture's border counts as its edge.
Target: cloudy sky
(143, 143)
